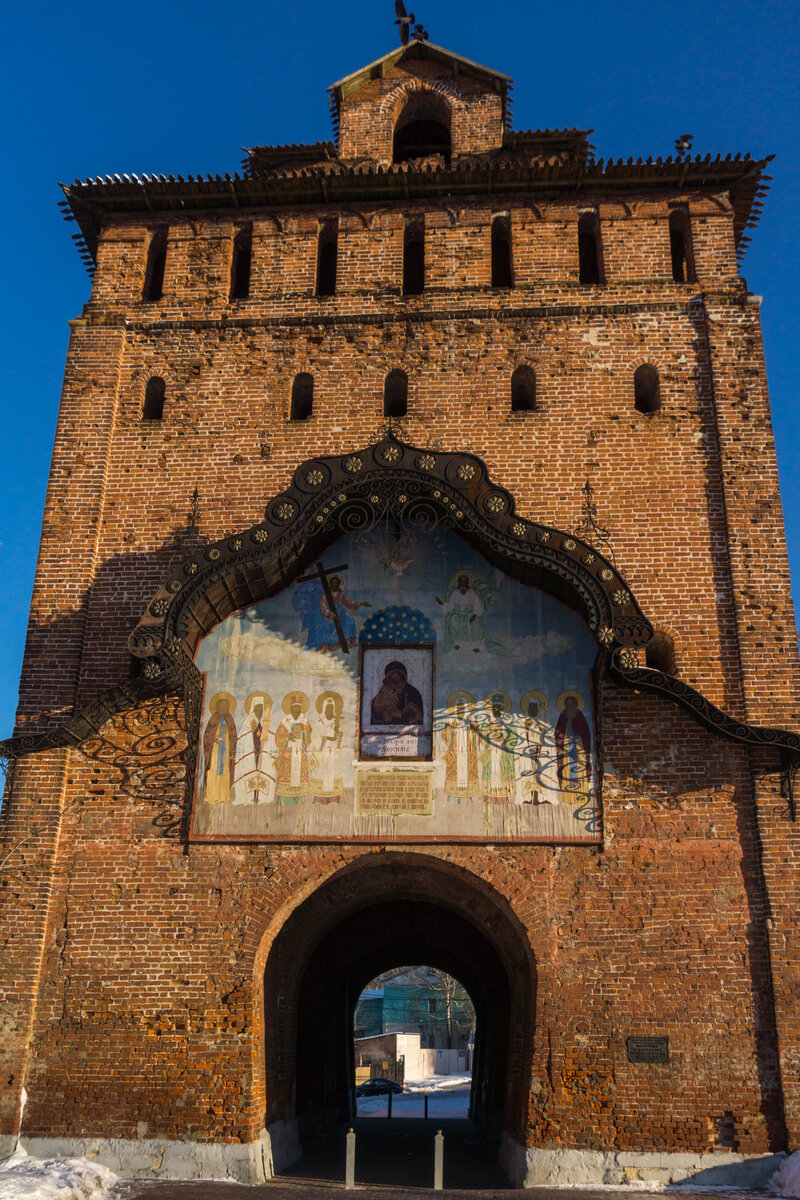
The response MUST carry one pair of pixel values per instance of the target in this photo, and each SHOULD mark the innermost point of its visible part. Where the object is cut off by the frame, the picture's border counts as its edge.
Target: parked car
(379, 1087)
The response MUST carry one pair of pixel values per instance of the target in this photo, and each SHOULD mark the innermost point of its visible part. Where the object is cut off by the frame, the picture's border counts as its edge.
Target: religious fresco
(402, 690)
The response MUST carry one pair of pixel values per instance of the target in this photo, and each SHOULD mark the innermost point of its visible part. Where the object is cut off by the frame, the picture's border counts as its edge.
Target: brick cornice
(687, 305)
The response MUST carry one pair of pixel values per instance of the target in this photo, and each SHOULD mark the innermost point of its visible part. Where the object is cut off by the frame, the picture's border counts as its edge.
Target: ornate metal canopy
(416, 489)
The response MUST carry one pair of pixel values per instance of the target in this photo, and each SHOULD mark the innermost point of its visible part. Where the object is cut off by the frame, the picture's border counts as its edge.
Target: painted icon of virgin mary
(397, 702)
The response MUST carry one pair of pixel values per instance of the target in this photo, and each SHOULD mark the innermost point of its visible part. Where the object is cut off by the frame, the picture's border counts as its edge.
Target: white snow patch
(443, 1102)
(438, 1083)
(786, 1181)
(25, 1178)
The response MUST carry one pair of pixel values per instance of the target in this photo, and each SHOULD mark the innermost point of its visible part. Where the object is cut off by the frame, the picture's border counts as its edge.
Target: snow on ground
(24, 1178)
(438, 1083)
(442, 1101)
(786, 1182)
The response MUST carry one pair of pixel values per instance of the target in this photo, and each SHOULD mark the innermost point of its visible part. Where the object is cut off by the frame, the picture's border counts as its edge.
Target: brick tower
(337, 663)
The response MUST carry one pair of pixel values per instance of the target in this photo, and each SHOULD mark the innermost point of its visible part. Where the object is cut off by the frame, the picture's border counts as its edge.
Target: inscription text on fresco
(395, 791)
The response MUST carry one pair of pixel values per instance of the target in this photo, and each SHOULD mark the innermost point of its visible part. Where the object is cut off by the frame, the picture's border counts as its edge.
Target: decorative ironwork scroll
(148, 746)
(589, 529)
(645, 679)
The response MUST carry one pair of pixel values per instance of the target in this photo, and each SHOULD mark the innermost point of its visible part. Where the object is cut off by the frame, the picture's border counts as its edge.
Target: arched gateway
(371, 915)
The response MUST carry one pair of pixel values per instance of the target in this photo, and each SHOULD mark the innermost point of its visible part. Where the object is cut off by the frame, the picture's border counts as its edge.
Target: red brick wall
(151, 979)
(150, 985)
(367, 117)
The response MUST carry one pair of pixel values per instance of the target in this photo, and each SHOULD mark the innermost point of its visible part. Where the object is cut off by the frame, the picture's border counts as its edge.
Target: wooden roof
(91, 202)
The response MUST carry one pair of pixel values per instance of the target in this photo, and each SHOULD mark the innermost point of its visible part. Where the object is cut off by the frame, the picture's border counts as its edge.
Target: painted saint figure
(326, 761)
(467, 597)
(219, 750)
(460, 740)
(292, 741)
(255, 764)
(498, 771)
(536, 753)
(316, 615)
(396, 702)
(573, 748)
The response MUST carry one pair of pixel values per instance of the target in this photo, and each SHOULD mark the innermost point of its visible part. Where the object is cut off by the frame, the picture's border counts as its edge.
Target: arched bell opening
(366, 919)
(423, 128)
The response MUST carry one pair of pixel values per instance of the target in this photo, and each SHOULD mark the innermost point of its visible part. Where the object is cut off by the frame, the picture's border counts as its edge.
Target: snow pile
(438, 1083)
(786, 1182)
(443, 1102)
(24, 1178)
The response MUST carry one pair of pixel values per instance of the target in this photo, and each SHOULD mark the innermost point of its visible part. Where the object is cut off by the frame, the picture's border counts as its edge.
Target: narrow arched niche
(680, 246)
(646, 389)
(156, 266)
(154, 396)
(414, 259)
(395, 394)
(502, 270)
(327, 258)
(523, 389)
(590, 250)
(302, 405)
(423, 128)
(241, 262)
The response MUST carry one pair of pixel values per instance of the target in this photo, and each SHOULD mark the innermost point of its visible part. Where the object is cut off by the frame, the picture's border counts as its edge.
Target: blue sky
(179, 87)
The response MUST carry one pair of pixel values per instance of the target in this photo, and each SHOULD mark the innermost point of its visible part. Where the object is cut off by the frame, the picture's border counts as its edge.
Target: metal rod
(350, 1164)
(426, 1106)
(389, 1106)
(438, 1161)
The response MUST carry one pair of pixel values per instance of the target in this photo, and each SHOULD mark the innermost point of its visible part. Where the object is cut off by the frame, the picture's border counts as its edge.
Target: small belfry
(477, 650)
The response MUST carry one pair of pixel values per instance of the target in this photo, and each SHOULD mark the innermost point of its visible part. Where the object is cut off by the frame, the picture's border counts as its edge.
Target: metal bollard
(438, 1161)
(426, 1106)
(389, 1106)
(350, 1162)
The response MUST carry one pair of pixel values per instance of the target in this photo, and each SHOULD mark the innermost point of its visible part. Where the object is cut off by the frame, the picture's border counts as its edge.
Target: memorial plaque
(396, 793)
(648, 1049)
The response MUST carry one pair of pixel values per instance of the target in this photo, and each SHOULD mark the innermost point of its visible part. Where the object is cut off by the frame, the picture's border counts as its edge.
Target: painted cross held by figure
(322, 574)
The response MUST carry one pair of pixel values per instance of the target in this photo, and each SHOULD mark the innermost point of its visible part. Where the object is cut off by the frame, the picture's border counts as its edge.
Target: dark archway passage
(386, 909)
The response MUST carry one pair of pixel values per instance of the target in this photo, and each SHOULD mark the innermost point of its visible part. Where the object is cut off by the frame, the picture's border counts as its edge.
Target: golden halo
(286, 703)
(248, 704)
(487, 704)
(454, 578)
(540, 699)
(454, 698)
(212, 704)
(338, 702)
(561, 701)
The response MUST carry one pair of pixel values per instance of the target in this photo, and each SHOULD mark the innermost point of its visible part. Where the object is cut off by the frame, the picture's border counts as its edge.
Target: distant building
(369, 1014)
(443, 1016)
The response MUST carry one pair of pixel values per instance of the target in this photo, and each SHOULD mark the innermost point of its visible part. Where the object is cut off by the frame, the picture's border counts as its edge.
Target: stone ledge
(159, 1158)
(528, 1168)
